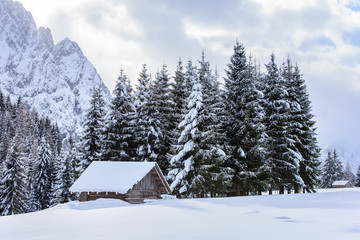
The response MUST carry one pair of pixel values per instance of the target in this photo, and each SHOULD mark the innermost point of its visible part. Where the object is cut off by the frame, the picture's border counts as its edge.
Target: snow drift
(329, 214)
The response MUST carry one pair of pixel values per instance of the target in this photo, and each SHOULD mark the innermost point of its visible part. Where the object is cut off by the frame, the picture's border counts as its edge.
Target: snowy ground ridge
(328, 214)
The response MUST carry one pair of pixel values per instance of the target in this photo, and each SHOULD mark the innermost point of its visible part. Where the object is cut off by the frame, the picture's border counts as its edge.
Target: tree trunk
(281, 189)
(237, 191)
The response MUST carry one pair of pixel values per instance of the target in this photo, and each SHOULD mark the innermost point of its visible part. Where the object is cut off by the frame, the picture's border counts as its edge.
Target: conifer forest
(250, 132)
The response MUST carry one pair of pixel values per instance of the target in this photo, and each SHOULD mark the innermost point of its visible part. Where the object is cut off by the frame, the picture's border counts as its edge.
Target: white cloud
(109, 17)
(276, 5)
(201, 32)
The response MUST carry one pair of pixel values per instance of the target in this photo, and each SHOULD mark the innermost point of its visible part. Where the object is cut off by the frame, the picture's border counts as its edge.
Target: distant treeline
(31, 160)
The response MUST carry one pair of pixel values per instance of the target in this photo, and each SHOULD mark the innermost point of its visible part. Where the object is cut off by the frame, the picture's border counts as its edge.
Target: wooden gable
(150, 187)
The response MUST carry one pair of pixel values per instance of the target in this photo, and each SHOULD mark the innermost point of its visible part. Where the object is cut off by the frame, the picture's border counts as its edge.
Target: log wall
(90, 196)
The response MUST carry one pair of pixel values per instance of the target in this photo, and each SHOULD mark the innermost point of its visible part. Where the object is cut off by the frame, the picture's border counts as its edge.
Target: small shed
(129, 181)
(342, 184)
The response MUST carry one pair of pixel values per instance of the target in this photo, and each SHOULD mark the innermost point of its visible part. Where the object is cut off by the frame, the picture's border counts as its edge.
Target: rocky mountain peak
(17, 23)
(67, 47)
(46, 38)
(55, 79)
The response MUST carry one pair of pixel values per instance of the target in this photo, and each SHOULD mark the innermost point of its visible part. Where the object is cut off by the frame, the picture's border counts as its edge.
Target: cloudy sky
(322, 36)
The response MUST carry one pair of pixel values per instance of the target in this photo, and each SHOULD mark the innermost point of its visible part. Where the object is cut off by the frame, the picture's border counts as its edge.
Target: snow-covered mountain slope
(55, 79)
(327, 215)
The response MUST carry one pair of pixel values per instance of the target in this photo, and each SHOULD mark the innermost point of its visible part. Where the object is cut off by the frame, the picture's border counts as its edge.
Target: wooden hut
(342, 184)
(129, 181)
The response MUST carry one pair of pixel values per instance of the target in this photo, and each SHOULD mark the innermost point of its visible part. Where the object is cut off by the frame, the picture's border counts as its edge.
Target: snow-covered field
(328, 214)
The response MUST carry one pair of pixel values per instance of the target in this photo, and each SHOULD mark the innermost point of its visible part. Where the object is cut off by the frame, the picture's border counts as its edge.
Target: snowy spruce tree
(44, 179)
(301, 130)
(180, 91)
(182, 167)
(212, 95)
(2, 102)
(13, 192)
(8, 130)
(75, 158)
(284, 160)
(357, 182)
(213, 103)
(64, 178)
(147, 130)
(209, 85)
(119, 141)
(164, 115)
(244, 124)
(92, 136)
(196, 170)
(348, 174)
(2, 127)
(56, 139)
(32, 200)
(332, 170)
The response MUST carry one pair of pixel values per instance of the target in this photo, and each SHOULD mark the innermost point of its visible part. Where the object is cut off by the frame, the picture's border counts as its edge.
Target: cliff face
(55, 79)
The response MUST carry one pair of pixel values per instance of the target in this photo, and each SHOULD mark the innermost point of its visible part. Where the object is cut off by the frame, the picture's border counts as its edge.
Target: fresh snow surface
(329, 215)
(106, 176)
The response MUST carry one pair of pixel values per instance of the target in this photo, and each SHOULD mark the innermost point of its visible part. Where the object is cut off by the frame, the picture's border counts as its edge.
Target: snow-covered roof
(106, 176)
(343, 182)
